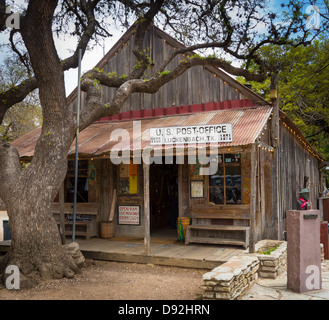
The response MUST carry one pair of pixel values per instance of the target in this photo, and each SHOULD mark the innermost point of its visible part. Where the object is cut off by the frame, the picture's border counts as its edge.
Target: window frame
(224, 165)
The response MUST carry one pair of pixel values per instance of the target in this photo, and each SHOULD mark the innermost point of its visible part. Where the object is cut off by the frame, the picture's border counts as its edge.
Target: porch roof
(102, 137)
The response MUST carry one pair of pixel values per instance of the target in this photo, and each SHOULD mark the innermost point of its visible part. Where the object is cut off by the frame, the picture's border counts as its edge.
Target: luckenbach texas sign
(191, 134)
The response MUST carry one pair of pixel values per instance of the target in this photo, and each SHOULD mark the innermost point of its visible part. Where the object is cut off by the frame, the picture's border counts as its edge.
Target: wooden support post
(61, 213)
(180, 190)
(262, 191)
(253, 199)
(147, 244)
(275, 133)
(274, 95)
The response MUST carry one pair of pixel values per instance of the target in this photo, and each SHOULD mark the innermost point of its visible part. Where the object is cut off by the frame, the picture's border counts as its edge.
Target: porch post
(180, 190)
(253, 189)
(146, 169)
(275, 133)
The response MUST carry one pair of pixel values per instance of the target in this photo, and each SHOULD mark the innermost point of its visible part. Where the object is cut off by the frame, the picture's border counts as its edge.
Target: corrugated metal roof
(103, 137)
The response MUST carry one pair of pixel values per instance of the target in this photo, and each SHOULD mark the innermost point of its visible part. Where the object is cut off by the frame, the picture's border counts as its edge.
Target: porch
(167, 251)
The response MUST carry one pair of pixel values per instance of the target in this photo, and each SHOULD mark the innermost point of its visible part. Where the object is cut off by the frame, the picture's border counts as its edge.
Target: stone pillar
(303, 251)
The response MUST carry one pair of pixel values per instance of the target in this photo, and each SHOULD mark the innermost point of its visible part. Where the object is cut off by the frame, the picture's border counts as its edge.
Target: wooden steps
(224, 241)
(227, 225)
(218, 227)
(217, 240)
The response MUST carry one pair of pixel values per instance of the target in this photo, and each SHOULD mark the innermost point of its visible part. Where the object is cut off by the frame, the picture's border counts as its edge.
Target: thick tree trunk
(36, 245)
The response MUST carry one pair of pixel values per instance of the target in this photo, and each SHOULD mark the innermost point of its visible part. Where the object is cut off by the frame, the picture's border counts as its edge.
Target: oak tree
(231, 28)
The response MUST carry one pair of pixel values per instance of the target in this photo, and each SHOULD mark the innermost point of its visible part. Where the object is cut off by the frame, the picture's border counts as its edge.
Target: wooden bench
(82, 228)
(203, 218)
(85, 228)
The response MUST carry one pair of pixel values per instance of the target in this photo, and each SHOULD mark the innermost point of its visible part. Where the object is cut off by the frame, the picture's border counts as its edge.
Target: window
(82, 190)
(225, 184)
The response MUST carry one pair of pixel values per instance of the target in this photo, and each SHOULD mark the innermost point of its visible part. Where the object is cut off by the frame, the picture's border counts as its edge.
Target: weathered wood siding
(293, 162)
(197, 85)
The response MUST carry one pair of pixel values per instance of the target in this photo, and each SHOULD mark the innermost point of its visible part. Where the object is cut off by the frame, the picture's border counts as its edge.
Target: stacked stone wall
(232, 278)
(273, 264)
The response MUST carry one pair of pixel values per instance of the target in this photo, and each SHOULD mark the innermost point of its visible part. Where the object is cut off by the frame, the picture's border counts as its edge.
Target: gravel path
(101, 280)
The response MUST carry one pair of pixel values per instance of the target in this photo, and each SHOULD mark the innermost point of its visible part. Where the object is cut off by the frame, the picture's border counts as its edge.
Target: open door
(163, 196)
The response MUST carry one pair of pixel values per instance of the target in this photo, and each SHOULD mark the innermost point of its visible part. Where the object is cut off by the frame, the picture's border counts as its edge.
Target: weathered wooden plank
(253, 199)
(147, 242)
(218, 213)
(82, 208)
(113, 204)
(218, 227)
(216, 241)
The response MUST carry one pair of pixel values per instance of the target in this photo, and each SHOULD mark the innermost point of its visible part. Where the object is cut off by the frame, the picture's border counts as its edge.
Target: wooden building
(258, 172)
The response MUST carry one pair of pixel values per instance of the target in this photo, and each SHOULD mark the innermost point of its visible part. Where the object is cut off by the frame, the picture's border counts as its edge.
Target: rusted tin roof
(101, 138)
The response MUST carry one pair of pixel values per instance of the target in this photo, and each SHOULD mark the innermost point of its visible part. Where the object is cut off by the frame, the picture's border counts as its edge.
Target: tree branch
(142, 25)
(15, 95)
(97, 109)
(89, 30)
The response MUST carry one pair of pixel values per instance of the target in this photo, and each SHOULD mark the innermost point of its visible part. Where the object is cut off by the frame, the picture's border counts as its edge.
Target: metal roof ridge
(182, 110)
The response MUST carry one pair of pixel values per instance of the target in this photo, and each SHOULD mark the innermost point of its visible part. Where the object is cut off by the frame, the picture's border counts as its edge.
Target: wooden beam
(113, 204)
(180, 190)
(147, 240)
(262, 192)
(274, 95)
(253, 190)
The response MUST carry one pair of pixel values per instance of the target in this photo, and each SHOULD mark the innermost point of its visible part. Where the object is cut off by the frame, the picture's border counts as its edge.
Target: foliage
(268, 250)
(232, 29)
(303, 88)
(24, 116)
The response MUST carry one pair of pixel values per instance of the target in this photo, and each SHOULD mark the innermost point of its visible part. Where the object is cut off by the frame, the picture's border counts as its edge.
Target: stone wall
(273, 264)
(230, 279)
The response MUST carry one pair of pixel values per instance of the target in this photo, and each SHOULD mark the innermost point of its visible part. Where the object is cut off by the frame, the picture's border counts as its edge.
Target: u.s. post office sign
(213, 133)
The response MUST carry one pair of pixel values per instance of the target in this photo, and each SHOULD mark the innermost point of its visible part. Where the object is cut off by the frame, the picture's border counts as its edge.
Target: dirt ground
(102, 280)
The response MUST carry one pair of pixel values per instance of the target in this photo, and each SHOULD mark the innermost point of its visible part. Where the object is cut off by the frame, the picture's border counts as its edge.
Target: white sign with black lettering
(213, 133)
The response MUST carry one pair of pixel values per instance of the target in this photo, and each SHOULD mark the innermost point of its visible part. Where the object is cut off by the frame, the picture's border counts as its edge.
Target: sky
(67, 44)
(90, 59)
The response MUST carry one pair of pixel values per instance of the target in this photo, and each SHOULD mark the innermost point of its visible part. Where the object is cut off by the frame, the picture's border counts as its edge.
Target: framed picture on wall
(197, 189)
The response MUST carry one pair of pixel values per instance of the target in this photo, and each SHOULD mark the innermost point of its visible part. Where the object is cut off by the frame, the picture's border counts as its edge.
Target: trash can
(6, 230)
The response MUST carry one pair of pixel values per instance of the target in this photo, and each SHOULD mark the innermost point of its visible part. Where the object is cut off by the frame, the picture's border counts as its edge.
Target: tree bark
(36, 246)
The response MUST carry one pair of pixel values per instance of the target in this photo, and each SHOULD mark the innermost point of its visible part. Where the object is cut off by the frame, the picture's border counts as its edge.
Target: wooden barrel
(107, 230)
(185, 221)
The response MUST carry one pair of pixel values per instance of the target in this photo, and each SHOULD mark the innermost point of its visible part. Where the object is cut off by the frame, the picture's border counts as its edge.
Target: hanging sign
(213, 133)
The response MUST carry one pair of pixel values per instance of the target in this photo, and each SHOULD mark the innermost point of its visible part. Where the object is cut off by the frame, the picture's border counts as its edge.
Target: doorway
(163, 197)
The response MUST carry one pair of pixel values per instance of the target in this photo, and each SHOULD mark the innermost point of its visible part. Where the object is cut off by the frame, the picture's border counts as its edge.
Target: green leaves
(24, 116)
(163, 72)
(303, 88)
